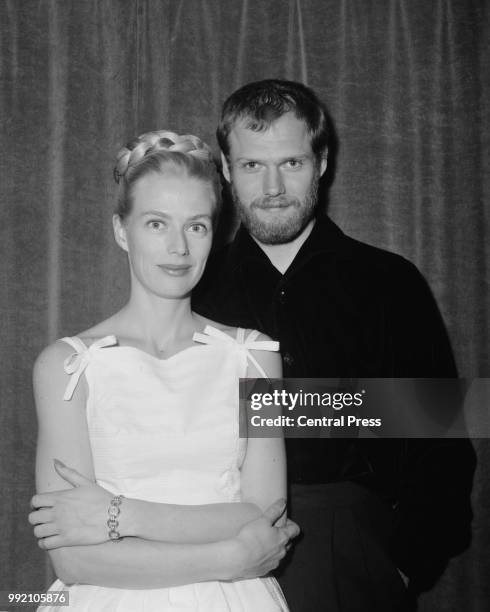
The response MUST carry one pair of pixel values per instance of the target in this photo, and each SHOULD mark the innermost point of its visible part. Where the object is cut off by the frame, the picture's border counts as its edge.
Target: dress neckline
(155, 357)
(76, 363)
(196, 337)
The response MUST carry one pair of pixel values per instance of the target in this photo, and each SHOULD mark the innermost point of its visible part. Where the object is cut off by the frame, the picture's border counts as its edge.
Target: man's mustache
(274, 202)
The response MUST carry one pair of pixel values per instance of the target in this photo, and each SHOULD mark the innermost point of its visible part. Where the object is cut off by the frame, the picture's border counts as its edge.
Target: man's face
(274, 178)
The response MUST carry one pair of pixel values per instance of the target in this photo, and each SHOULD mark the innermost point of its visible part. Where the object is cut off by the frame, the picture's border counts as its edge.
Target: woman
(153, 423)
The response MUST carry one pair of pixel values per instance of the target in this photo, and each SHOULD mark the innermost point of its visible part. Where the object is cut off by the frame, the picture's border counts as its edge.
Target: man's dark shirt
(347, 309)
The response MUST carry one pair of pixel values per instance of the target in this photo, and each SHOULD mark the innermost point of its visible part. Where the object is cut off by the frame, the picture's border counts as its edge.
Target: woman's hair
(164, 152)
(261, 103)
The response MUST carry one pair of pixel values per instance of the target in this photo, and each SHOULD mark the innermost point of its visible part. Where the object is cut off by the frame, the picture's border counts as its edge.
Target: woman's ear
(119, 232)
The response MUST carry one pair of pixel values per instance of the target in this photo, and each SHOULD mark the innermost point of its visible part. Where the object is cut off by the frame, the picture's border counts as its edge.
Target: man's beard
(280, 229)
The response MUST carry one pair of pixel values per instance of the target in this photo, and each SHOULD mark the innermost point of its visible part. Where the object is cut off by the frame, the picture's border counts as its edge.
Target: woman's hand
(261, 544)
(72, 517)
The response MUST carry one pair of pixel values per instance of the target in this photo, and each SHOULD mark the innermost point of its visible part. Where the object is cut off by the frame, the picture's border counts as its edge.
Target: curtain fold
(407, 84)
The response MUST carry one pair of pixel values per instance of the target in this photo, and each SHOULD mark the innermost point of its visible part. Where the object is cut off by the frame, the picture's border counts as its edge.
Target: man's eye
(293, 163)
(251, 165)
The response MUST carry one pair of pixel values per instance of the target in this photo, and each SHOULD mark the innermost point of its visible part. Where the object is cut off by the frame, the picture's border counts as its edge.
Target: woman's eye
(198, 228)
(155, 225)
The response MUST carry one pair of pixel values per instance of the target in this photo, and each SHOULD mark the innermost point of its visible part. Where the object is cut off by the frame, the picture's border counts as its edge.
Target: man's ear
(226, 168)
(119, 232)
(324, 162)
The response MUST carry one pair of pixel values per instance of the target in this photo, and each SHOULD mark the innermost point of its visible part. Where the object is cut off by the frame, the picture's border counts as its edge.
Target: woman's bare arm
(78, 516)
(263, 473)
(133, 563)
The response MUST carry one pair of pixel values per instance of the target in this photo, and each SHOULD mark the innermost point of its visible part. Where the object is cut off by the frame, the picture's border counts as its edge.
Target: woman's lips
(175, 269)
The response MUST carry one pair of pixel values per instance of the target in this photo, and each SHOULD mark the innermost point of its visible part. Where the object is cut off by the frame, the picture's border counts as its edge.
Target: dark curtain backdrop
(407, 83)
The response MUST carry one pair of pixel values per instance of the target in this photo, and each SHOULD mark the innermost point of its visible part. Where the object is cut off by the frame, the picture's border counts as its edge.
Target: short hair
(164, 152)
(261, 103)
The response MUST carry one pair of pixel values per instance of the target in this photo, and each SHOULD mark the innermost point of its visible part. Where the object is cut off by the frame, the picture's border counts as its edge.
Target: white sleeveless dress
(166, 430)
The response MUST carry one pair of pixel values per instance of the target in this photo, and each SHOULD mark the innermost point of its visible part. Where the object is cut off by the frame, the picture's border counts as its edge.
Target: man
(375, 514)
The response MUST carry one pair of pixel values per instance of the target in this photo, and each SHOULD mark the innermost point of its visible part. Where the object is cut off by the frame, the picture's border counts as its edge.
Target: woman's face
(168, 233)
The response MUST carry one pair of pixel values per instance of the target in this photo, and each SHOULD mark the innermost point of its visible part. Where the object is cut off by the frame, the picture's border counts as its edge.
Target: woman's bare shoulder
(51, 356)
(56, 352)
(229, 330)
(202, 322)
(108, 327)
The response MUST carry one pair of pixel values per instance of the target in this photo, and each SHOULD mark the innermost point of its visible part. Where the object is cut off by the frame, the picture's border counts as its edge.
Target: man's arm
(433, 512)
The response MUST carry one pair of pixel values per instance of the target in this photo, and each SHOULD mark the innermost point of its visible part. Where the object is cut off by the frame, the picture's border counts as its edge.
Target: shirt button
(288, 359)
(282, 296)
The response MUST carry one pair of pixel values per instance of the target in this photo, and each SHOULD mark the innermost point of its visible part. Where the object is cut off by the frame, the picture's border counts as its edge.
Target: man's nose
(273, 182)
(177, 242)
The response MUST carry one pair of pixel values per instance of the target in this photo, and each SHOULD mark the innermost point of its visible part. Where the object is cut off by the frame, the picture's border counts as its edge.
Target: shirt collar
(325, 237)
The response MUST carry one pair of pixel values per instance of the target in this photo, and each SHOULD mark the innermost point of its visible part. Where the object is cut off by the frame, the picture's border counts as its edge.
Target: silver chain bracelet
(114, 511)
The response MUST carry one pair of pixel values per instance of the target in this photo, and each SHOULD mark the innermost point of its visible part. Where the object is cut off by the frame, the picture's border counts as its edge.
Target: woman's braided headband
(162, 140)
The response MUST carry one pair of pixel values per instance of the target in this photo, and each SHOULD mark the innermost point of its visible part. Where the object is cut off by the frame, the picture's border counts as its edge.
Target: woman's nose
(177, 243)
(273, 182)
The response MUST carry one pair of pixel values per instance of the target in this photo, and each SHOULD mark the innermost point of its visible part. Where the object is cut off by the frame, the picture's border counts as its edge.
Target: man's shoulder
(221, 255)
(367, 255)
(359, 258)
(215, 296)
(218, 267)
(371, 260)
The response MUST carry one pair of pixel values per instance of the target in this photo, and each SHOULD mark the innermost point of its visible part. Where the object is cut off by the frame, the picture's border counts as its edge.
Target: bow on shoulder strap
(212, 335)
(76, 363)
